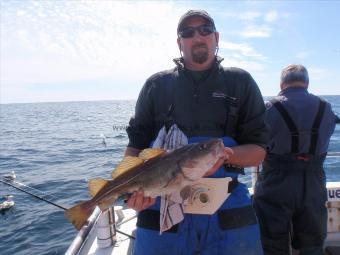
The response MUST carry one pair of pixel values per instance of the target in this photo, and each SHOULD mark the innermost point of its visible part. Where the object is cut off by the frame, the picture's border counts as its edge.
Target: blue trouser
(233, 230)
(290, 202)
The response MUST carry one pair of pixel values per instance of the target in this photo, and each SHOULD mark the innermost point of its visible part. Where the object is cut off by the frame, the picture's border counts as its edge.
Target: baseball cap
(195, 13)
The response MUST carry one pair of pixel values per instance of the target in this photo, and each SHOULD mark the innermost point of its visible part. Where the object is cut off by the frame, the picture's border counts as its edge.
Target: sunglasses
(203, 30)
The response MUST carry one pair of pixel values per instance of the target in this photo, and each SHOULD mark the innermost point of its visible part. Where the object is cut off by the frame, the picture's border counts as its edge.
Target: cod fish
(155, 171)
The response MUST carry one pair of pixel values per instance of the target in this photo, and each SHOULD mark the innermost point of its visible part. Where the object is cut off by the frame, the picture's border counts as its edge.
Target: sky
(78, 50)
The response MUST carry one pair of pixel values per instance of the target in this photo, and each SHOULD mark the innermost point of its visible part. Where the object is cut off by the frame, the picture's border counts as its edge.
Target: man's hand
(227, 153)
(138, 202)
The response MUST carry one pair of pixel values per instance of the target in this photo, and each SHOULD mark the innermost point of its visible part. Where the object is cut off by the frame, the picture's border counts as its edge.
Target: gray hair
(293, 73)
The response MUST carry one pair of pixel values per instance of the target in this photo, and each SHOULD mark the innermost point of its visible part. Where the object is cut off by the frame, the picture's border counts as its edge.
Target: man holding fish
(203, 100)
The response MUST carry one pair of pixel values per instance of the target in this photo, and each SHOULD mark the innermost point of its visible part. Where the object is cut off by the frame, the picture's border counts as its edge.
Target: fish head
(201, 157)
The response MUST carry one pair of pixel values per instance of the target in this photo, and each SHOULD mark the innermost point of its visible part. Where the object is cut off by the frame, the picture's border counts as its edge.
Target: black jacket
(227, 103)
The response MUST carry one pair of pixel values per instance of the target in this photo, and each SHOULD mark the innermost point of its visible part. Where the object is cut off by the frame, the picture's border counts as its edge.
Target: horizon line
(102, 100)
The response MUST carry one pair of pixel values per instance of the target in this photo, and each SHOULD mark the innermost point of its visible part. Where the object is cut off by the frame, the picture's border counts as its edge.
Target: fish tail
(79, 213)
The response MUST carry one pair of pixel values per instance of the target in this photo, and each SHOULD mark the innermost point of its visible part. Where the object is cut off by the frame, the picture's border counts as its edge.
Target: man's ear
(282, 86)
(217, 37)
(179, 44)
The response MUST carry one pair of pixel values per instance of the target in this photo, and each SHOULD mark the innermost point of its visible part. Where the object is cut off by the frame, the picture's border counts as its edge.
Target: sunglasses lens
(187, 32)
(205, 30)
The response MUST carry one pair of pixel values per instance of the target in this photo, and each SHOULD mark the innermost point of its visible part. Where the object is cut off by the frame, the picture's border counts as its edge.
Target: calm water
(56, 148)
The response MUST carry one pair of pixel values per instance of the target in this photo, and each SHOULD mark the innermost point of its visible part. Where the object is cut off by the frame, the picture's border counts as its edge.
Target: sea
(54, 149)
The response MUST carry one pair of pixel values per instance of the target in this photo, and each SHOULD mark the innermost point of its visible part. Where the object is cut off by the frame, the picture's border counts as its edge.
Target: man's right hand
(138, 202)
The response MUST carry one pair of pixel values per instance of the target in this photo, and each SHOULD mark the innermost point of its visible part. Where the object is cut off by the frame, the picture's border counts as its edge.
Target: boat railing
(83, 234)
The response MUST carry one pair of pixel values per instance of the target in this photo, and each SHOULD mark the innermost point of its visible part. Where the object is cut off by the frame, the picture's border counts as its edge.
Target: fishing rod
(31, 188)
(45, 200)
(34, 195)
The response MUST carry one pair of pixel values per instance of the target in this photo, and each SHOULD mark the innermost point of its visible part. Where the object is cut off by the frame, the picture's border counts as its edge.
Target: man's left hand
(227, 153)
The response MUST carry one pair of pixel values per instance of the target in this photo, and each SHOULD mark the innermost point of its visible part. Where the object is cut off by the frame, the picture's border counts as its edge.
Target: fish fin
(104, 206)
(125, 165)
(150, 153)
(107, 202)
(95, 185)
(79, 214)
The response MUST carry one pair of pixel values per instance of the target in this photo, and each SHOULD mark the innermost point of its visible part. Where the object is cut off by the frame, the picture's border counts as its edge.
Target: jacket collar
(180, 62)
(292, 90)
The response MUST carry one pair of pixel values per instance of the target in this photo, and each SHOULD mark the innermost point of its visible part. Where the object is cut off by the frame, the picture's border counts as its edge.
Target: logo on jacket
(219, 94)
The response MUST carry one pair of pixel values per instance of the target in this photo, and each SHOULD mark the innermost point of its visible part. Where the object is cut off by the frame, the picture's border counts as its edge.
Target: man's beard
(199, 53)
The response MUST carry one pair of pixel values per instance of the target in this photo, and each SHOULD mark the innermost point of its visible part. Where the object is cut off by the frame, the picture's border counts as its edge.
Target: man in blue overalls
(205, 100)
(290, 194)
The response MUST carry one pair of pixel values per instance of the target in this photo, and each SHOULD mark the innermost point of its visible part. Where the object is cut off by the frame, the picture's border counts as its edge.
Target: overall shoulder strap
(316, 126)
(170, 91)
(231, 104)
(290, 124)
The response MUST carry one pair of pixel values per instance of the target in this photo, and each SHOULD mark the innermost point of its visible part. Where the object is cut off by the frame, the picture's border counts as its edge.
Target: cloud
(249, 65)
(253, 31)
(271, 16)
(243, 56)
(242, 48)
(258, 24)
(303, 55)
(318, 74)
(250, 15)
(51, 41)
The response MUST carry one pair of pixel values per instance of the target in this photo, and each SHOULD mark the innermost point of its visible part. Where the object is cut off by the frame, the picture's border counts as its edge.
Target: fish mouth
(220, 149)
(217, 146)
